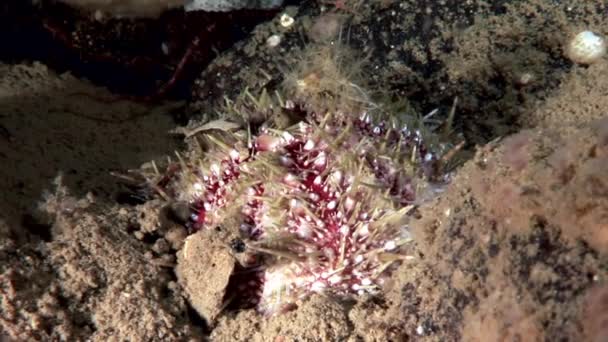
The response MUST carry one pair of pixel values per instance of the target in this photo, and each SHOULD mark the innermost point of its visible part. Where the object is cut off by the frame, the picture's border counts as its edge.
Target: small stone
(175, 237)
(161, 246)
(168, 258)
(273, 41)
(420, 330)
(525, 79)
(139, 235)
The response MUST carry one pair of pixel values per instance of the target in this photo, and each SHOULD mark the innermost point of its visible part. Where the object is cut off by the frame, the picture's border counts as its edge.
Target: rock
(203, 269)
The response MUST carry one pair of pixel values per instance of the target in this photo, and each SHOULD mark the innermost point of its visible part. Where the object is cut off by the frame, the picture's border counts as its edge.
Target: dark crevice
(37, 228)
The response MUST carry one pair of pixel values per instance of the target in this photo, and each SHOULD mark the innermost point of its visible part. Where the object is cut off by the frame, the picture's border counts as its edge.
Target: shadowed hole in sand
(37, 228)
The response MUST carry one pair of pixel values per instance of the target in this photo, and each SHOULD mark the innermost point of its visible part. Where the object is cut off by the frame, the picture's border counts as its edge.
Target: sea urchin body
(324, 204)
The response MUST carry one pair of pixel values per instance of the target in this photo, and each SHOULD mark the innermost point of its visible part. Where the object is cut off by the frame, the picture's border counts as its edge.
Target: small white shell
(286, 20)
(586, 48)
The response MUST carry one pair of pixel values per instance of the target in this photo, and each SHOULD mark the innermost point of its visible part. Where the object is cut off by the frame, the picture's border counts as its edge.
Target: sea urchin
(322, 205)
